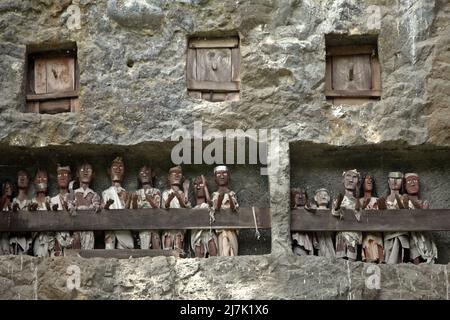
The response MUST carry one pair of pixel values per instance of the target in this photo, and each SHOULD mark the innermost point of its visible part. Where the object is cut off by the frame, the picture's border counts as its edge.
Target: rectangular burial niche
(315, 166)
(52, 79)
(353, 74)
(212, 68)
(251, 188)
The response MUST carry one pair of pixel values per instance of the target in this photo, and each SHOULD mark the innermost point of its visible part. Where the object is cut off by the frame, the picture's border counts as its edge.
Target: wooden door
(352, 73)
(213, 69)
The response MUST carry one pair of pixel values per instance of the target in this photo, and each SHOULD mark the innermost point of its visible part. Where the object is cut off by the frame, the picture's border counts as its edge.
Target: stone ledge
(244, 277)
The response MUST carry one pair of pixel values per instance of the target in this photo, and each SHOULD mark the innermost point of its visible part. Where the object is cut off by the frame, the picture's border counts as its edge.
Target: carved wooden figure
(44, 242)
(422, 246)
(20, 242)
(116, 197)
(147, 197)
(372, 242)
(302, 241)
(396, 244)
(203, 242)
(323, 241)
(174, 197)
(84, 198)
(63, 239)
(224, 198)
(347, 242)
(6, 198)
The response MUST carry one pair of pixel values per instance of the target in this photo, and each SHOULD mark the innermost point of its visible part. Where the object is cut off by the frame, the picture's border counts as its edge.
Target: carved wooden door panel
(214, 65)
(60, 75)
(213, 69)
(352, 73)
(53, 85)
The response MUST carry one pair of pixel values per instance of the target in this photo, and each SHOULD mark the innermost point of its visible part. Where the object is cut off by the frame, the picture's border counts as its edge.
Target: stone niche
(213, 68)
(315, 166)
(251, 188)
(353, 72)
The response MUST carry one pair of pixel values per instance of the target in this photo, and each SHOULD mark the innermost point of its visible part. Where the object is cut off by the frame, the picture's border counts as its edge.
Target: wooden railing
(372, 220)
(127, 219)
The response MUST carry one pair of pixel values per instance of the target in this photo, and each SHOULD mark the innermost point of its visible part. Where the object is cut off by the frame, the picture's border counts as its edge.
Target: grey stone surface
(132, 61)
(265, 277)
(282, 70)
(136, 13)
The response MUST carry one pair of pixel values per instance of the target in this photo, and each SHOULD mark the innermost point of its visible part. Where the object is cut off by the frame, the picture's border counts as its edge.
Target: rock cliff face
(132, 63)
(262, 277)
(132, 60)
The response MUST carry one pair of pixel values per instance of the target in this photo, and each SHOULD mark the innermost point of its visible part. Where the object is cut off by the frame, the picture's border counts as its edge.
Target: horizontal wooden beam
(353, 93)
(215, 86)
(349, 50)
(121, 253)
(214, 43)
(128, 219)
(52, 96)
(372, 220)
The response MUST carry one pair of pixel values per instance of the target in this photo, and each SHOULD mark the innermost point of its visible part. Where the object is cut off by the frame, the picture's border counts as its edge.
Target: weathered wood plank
(351, 101)
(376, 73)
(235, 64)
(214, 65)
(372, 220)
(54, 106)
(191, 65)
(60, 74)
(214, 43)
(32, 106)
(350, 50)
(127, 219)
(352, 73)
(329, 74)
(121, 253)
(353, 93)
(40, 76)
(74, 105)
(52, 96)
(213, 86)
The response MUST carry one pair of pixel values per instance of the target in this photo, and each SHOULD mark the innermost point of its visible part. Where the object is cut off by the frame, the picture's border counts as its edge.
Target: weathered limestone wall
(246, 277)
(132, 59)
(282, 69)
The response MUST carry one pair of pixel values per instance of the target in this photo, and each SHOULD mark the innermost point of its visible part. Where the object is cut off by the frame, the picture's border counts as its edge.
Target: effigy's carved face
(175, 177)
(300, 198)
(412, 185)
(199, 188)
(322, 198)
(7, 189)
(222, 177)
(117, 171)
(395, 183)
(41, 181)
(85, 173)
(22, 180)
(63, 178)
(145, 175)
(351, 180)
(368, 183)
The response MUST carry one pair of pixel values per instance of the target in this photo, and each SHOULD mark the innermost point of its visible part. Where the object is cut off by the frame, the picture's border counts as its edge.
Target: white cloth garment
(124, 238)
